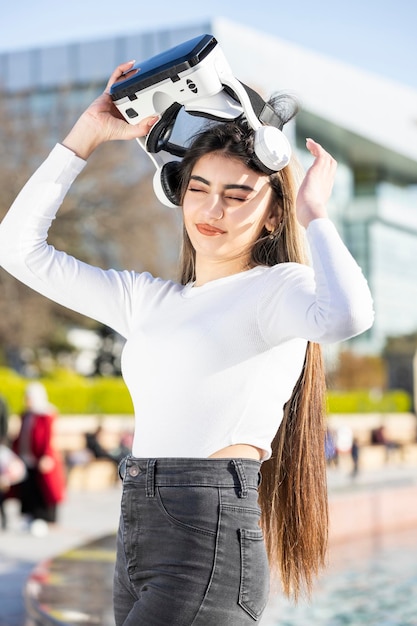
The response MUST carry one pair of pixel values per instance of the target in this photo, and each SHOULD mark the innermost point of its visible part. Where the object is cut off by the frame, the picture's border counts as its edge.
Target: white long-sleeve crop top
(207, 367)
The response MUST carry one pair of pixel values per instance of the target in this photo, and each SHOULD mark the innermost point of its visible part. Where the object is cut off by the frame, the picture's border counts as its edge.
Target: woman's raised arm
(102, 122)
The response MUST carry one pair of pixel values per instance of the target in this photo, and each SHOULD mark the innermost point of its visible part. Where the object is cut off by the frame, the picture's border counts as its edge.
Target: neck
(206, 272)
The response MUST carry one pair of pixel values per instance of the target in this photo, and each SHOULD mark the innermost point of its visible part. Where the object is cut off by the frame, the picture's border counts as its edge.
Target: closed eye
(235, 198)
(196, 189)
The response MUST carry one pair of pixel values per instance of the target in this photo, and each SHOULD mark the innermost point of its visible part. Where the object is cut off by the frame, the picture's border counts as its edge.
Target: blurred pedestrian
(330, 448)
(94, 444)
(44, 486)
(12, 472)
(354, 451)
(4, 419)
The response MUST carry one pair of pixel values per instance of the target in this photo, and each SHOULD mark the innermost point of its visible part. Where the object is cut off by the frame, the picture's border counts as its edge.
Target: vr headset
(186, 86)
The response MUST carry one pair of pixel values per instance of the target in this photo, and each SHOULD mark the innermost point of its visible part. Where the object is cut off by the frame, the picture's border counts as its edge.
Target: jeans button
(133, 470)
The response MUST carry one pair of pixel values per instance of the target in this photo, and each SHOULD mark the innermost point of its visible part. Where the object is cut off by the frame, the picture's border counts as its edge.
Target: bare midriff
(238, 451)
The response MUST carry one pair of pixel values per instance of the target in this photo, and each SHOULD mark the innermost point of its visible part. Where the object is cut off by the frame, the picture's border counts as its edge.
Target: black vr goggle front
(190, 87)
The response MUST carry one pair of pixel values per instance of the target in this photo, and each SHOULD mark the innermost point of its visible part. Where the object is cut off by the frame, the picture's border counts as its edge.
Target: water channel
(370, 582)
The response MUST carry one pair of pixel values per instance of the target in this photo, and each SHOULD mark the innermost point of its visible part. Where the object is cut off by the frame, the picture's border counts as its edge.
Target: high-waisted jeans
(189, 549)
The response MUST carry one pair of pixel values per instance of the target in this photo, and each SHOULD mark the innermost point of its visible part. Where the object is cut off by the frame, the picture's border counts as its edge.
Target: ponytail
(293, 492)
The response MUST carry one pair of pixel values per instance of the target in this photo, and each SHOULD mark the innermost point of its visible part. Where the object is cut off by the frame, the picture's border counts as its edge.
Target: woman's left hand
(316, 188)
(102, 122)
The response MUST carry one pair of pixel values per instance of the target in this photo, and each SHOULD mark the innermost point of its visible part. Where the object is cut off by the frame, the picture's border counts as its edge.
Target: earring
(277, 232)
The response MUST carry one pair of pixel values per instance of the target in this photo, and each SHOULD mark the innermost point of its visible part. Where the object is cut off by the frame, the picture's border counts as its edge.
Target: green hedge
(70, 393)
(74, 394)
(365, 401)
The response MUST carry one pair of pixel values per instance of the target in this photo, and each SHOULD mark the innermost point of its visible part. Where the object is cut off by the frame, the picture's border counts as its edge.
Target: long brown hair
(293, 491)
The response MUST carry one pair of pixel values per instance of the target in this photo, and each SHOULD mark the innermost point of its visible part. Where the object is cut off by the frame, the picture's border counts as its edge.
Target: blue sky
(376, 35)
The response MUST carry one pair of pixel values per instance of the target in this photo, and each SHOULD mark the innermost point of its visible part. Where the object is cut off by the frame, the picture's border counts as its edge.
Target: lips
(209, 231)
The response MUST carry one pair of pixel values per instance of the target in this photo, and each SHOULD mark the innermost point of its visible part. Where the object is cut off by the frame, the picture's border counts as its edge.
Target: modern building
(367, 122)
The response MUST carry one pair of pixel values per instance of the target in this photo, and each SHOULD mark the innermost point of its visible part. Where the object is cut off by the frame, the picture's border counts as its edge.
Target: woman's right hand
(316, 188)
(102, 122)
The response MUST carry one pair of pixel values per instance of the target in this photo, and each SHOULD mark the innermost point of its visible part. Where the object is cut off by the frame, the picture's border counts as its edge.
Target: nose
(214, 207)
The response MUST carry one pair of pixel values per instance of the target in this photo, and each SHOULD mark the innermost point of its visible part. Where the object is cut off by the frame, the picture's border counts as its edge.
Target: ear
(274, 217)
(271, 222)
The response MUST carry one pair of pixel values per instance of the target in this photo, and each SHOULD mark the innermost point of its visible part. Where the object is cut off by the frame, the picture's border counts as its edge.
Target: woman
(210, 363)
(44, 486)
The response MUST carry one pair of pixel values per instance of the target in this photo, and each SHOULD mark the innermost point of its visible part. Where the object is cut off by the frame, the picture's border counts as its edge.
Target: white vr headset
(182, 85)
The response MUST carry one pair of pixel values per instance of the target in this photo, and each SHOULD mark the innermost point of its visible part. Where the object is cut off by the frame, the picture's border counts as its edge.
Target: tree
(110, 217)
(400, 354)
(355, 371)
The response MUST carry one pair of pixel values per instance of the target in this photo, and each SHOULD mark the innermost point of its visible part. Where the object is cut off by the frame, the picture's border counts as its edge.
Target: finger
(145, 125)
(314, 147)
(321, 155)
(133, 131)
(118, 73)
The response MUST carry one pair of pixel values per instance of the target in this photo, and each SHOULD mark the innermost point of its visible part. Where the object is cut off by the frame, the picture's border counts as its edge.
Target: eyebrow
(232, 186)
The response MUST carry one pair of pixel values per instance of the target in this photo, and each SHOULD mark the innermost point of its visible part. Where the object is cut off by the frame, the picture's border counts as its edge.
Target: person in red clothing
(44, 487)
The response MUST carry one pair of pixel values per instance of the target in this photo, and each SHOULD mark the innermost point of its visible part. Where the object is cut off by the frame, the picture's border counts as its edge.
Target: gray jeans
(190, 550)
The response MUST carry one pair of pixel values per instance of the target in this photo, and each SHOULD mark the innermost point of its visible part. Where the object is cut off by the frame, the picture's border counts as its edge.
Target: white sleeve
(326, 303)
(104, 295)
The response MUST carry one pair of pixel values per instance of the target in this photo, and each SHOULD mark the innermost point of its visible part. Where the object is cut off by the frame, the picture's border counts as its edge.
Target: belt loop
(240, 471)
(150, 478)
(122, 467)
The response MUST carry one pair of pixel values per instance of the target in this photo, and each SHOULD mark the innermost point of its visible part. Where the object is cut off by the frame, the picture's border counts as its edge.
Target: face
(225, 207)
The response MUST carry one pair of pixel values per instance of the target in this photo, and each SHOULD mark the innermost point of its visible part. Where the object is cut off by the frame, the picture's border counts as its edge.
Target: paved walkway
(88, 515)
(83, 517)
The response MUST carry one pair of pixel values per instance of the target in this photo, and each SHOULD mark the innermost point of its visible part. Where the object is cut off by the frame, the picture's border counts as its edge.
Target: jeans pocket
(254, 582)
(192, 508)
